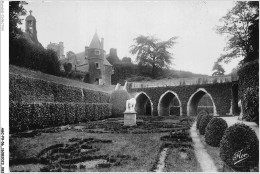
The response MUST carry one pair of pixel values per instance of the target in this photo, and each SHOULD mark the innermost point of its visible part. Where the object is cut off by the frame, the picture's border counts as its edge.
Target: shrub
(118, 100)
(204, 122)
(248, 90)
(241, 141)
(251, 104)
(199, 116)
(215, 131)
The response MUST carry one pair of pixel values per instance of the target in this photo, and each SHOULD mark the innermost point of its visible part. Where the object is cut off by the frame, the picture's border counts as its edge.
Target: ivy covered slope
(249, 90)
(29, 89)
(39, 103)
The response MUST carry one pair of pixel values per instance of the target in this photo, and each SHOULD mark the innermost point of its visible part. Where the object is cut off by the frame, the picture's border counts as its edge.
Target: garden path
(205, 161)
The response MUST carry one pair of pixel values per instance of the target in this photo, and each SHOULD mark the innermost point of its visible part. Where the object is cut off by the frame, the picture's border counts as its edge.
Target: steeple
(95, 43)
(30, 29)
(30, 17)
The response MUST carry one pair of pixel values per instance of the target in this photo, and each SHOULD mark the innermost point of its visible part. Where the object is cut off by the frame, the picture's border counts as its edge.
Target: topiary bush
(199, 116)
(118, 100)
(215, 131)
(239, 147)
(205, 119)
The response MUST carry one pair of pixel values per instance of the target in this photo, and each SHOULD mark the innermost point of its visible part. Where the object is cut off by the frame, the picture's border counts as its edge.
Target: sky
(119, 22)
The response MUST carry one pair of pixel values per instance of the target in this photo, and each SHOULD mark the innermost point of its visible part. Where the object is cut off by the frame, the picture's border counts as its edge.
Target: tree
(219, 70)
(15, 11)
(254, 32)
(126, 60)
(240, 25)
(152, 52)
(67, 68)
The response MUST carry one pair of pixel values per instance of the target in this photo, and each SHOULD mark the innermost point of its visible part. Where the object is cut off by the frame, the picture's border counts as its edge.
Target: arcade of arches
(170, 105)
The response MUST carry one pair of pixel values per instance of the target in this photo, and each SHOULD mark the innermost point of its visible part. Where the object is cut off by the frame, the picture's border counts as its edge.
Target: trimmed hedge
(249, 90)
(200, 114)
(215, 131)
(204, 122)
(27, 116)
(95, 96)
(239, 147)
(118, 100)
(27, 89)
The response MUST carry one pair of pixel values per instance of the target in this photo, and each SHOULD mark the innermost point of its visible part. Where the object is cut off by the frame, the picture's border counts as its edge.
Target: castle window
(97, 65)
(97, 52)
(113, 70)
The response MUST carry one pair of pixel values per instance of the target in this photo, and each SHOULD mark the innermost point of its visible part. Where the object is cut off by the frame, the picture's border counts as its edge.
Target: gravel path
(205, 161)
(161, 163)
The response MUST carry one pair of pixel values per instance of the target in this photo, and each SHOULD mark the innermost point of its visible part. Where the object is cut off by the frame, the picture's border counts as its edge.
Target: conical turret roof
(95, 43)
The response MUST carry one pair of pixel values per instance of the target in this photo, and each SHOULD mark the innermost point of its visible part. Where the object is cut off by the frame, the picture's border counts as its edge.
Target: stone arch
(144, 105)
(194, 99)
(165, 101)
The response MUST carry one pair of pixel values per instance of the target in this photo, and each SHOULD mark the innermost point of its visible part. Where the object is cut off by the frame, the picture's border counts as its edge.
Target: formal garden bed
(104, 146)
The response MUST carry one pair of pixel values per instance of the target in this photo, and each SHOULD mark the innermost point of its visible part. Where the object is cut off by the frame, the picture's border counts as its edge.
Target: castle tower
(95, 54)
(30, 27)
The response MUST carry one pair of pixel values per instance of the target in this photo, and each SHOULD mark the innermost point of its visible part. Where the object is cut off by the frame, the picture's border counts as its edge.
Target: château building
(92, 62)
(58, 48)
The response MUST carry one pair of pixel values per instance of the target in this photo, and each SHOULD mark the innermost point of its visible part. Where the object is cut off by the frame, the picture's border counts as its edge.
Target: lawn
(103, 146)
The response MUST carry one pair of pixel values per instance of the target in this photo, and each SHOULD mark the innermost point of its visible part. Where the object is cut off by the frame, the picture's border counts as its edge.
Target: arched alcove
(169, 104)
(192, 106)
(144, 104)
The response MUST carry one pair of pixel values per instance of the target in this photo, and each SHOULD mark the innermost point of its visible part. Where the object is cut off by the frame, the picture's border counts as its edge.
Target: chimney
(113, 52)
(102, 43)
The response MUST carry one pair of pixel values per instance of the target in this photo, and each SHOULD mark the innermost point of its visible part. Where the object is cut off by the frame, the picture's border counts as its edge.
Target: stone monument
(130, 113)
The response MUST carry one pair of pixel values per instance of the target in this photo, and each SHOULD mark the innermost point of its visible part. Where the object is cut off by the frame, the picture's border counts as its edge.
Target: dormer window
(97, 52)
(97, 65)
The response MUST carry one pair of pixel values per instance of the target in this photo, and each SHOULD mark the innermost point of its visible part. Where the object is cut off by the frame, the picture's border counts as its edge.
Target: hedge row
(26, 89)
(249, 90)
(27, 116)
(220, 92)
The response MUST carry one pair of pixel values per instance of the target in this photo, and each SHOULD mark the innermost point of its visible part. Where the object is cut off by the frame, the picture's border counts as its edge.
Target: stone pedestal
(129, 118)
